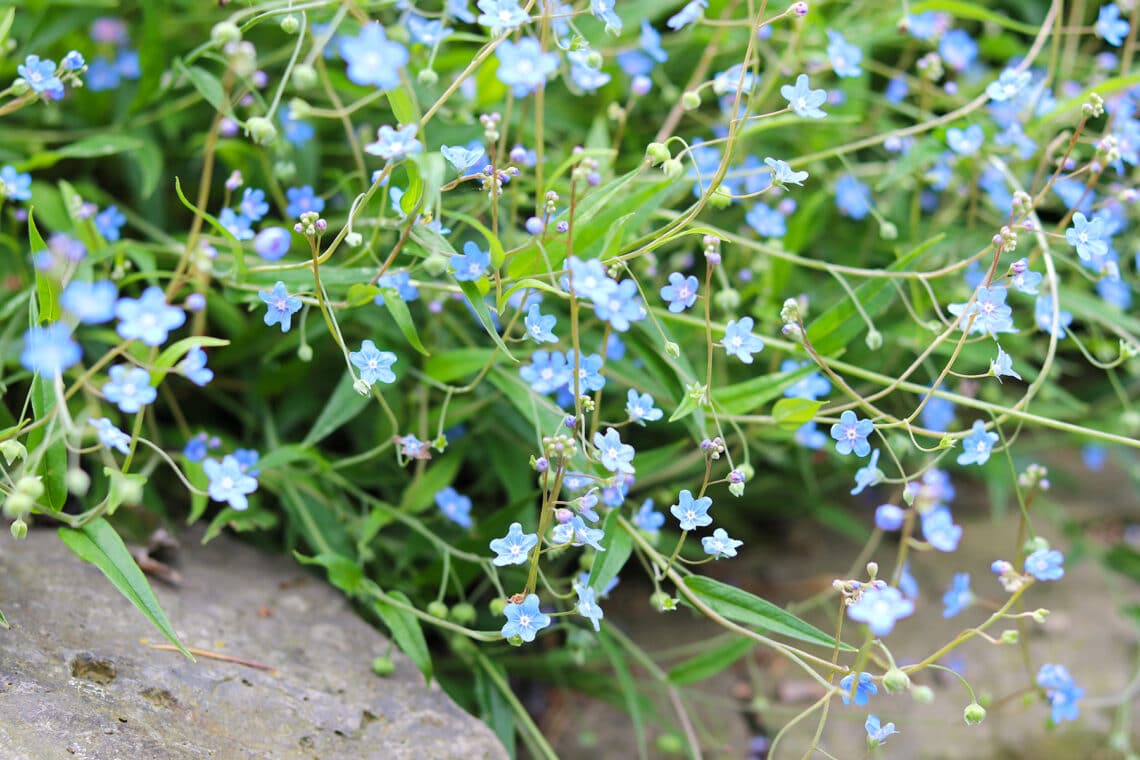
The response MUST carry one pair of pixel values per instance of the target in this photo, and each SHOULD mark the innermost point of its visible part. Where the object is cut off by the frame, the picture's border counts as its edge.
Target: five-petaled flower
(977, 446)
(850, 434)
(280, 306)
(229, 481)
(375, 365)
(524, 620)
(691, 513)
(513, 548)
(880, 608)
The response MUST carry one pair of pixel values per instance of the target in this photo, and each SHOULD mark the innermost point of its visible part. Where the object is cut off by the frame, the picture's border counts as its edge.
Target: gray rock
(78, 678)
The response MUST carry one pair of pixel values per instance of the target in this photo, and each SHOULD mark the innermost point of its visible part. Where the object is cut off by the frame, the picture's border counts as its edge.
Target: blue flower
(303, 199)
(1046, 565)
(149, 318)
(959, 596)
(1008, 85)
(620, 306)
(767, 221)
(957, 49)
(229, 483)
(640, 407)
(49, 350)
(459, 9)
(73, 61)
(40, 76)
(582, 71)
(811, 386)
(990, 313)
(539, 326)
(739, 341)
(803, 100)
(852, 197)
(614, 455)
(413, 448)
(977, 446)
(193, 367)
(889, 517)
(880, 609)
(372, 58)
(876, 733)
(907, 584)
(647, 518)
(247, 461)
(844, 56)
(127, 63)
(850, 434)
(501, 15)
(1003, 365)
(650, 42)
(1087, 236)
(524, 620)
(734, 79)
(719, 544)
(461, 157)
(588, 605)
(603, 10)
(523, 65)
(91, 303)
(197, 447)
(109, 221)
(513, 548)
(253, 205)
(588, 278)
(1062, 692)
(863, 690)
(455, 506)
(939, 530)
(782, 173)
(692, 513)
(272, 243)
(687, 15)
(375, 366)
(1109, 26)
(1043, 311)
(896, 92)
(589, 372)
(1023, 278)
(296, 131)
(471, 264)
(110, 436)
(238, 225)
(401, 282)
(938, 413)
(868, 475)
(129, 388)
(810, 436)
(547, 371)
(965, 142)
(14, 185)
(577, 533)
(101, 75)
(395, 144)
(427, 31)
(280, 306)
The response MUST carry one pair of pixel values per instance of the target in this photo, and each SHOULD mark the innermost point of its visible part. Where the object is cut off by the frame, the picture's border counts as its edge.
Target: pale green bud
(974, 714)
(12, 450)
(290, 24)
(261, 130)
(691, 101)
(304, 77)
(658, 152)
(672, 168)
(225, 32)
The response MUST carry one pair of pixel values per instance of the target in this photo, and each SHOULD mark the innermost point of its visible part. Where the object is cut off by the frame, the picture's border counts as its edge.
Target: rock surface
(79, 680)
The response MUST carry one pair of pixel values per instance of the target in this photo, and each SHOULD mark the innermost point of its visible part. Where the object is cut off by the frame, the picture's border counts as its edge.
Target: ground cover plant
(482, 307)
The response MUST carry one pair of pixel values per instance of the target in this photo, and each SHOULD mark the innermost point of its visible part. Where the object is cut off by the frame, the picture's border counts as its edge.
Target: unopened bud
(19, 529)
(225, 32)
(12, 450)
(261, 130)
(383, 666)
(290, 24)
(924, 695)
(895, 680)
(974, 714)
(672, 168)
(691, 101)
(437, 609)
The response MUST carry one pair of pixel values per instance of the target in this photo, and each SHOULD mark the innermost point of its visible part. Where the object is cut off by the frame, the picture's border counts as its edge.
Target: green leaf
(452, 365)
(420, 493)
(360, 293)
(3, 621)
(403, 106)
(793, 413)
(493, 243)
(48, 288)
(749, 609)
(688, 405)
(206, 84)
(710, 662)
(403, 319)
(52, 467)
(343, 572)
(1123, 560)
(618, 546)
(173, 353)
(406, 632)
(102, 144)
(98, 543)
(974, 12)
(344, 404)
(410, 200)
(750, 395)
(475, 298)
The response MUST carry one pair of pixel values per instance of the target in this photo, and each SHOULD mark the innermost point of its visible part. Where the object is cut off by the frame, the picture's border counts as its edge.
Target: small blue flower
(501, 15)
(681, 292)
(959, 596)
(455, 506)
(692, 513)
(460, 10)
(73, 61)
(303, 199)
(852, 197)
(1109, 26)
(193, 367)
(1043, 311)
(783, 174)
(876, 733)
(957, 49)
(280, 306)
(373, 59)
(588, 605)
(547, 372)
(620, 306)
(91, 303)
(1062, 692)
(127, 63)
(428, 32)
(603, 10)
(965, 142)
(524, 620)
(1023, 278)
(253, 205)
(938, 413)
(539, 326)
(810, 436)
(844, 56)
(577, 533)
(589, 279)
(977, 446)
(471, 264)
(1003, 366)
(1094, 456)
(615, 456)
(590, 377)
(272, 243)
(990, 313)
(198, 447)
(14, 185)
(1008, 85)
(148, 318)
(1087, 236)
(868, 475)
(641, 407)
(880, 609)
(687, 15)
(767, 221)
(734, 79)
(238, 225)
(647, 518)
(129, 388)
(719, 544)
(812, 386)
(296, 131)
(513, 548)
(460, 157)
(803, 100)
(375, 366)
(101, 75)
(229, 483)
(907, 584)
(1046, 565)
(401, 282)
(863, 690)
(739, 341)
(650, 42)
(939, 530)
(889, 518)
(110, 436)
(850, 434)
(395, 144)
(40, 76)
(524, 66)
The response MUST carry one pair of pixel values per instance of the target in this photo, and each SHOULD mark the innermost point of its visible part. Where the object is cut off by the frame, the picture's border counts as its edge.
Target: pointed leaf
(794, 413)
(710, 662)
(618, 546)
(406, 632)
